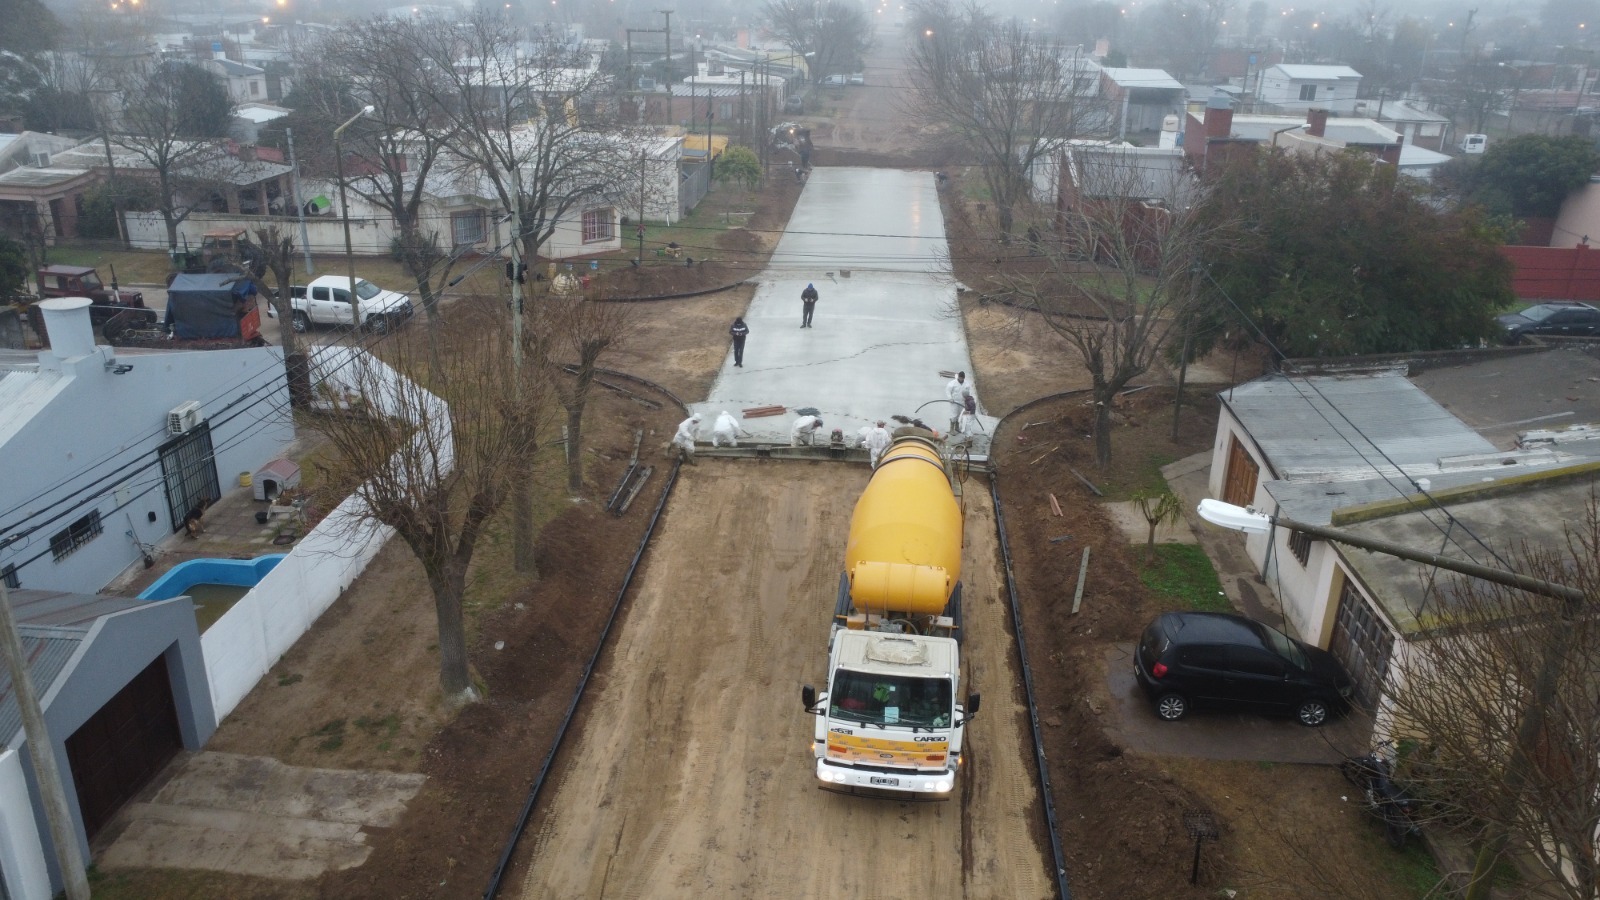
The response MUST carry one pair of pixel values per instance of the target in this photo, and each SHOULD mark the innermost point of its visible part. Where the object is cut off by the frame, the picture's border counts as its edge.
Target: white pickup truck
(326, 301)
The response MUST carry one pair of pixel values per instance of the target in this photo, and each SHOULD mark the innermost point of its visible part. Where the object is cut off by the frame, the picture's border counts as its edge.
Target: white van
(1474, 143)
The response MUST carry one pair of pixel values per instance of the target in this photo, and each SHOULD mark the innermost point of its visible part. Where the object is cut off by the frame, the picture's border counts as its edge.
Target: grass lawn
(1182, 575)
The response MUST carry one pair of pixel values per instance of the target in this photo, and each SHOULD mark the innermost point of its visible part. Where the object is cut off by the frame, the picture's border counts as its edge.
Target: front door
(1239, 484)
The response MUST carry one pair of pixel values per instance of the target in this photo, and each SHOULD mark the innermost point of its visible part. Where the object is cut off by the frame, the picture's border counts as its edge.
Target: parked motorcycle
(1373, 777)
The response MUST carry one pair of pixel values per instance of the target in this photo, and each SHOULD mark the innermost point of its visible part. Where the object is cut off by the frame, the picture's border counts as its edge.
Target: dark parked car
(1190, 659)
(1561, 319)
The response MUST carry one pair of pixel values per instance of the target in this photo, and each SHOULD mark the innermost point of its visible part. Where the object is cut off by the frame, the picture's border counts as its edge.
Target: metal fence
(693, 188)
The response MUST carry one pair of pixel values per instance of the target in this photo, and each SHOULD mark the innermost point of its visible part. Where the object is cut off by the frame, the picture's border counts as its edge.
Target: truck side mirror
(974, 700)
(808, 698)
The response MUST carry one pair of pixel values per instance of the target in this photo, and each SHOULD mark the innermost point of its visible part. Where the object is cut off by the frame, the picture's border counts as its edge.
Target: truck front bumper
(926, 785)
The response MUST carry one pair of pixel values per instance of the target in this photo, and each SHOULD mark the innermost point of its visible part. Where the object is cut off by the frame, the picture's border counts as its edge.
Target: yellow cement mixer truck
(889, 722)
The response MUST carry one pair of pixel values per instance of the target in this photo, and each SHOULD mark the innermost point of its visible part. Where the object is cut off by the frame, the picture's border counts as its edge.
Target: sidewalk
(1240, 578)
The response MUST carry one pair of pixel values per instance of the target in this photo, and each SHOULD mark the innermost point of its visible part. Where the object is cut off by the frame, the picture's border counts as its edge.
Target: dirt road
(693, 775)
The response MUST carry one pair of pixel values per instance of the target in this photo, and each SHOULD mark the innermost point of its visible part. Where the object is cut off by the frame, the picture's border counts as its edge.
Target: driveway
(1131, 722)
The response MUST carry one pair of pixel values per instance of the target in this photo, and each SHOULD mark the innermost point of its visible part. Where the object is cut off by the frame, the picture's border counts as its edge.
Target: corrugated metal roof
(1317, 73)
(1143, 78)
(27, 176)
(47, 655)
(1325, 428)
(58, 610)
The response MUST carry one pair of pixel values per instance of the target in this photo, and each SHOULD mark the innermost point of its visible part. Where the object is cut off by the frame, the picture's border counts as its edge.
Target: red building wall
(1554, 273)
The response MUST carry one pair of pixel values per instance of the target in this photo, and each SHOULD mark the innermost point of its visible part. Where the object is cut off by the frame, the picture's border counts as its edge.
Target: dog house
(274, 478)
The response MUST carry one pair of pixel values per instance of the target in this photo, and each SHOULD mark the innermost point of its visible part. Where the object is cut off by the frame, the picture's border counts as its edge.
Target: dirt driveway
(693, 775)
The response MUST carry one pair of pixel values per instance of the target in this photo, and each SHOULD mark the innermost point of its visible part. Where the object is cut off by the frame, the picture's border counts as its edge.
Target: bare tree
(277, 253)
(576, 333)
(1001, 90)
(1503, 695)
(529, 125)
(834, 35)
(172, 117)
(1122, 274)
(433, 451)
(401, 146)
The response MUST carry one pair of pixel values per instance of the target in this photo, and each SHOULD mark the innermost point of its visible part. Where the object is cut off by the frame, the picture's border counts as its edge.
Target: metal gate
(124, 745)
(189, 467)
(1363, 643)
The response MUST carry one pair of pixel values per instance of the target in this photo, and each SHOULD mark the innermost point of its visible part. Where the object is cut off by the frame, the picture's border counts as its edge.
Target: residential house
(1289, 87)
(248, 119)
(110, 470)
(1217, 129)
(1429, 461)
(244, 81)
(1140, 99)
(122, 686)
(1418, 127)
(37, 196)
(1144, 183)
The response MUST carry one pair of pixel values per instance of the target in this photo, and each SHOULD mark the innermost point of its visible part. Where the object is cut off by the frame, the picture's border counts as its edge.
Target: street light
(1239, 518)
(344, 205)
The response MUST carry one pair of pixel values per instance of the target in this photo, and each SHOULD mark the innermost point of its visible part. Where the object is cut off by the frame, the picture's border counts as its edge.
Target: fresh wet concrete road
(886, 324)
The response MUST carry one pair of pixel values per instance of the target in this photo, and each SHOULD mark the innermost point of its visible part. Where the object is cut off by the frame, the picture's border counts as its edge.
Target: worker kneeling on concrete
(804, 432)
(725, 429)
(878, 440)
(683, 442)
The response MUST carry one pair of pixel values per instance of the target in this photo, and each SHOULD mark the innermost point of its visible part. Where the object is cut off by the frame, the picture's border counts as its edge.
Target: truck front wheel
(378, 324)
(299, 323)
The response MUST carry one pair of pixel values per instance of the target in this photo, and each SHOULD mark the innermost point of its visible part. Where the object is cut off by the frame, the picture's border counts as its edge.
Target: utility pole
(69, 857)
(668, 14)
(521, 499)
(744, 114)
(294, 192)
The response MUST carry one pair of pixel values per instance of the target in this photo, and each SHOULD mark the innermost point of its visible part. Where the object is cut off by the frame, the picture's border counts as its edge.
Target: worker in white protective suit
(862, 435)
(725, 429)
(804, 431)
(877, 441)
(683, 442)
(953, 391)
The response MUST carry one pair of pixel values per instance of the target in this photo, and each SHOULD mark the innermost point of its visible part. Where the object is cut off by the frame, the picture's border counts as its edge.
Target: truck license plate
(886, 782)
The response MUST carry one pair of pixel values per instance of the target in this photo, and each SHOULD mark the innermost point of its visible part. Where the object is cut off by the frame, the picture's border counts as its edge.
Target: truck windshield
(367, 289)
(91, 281)
(890, 699)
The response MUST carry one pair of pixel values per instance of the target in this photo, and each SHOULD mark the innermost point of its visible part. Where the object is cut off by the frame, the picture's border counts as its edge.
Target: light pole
(1238, 518)
(344, 206)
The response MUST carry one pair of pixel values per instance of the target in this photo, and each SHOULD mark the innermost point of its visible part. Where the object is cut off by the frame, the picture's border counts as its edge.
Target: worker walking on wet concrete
(682, 443)
(804, 432)
(808, 304)
(877, 441)
(954, 391)
(969, 412)
(738, 331)
(726, 428)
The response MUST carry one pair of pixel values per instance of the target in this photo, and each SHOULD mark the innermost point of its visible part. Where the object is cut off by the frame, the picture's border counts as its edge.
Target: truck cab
(890, 721)
(84, 281)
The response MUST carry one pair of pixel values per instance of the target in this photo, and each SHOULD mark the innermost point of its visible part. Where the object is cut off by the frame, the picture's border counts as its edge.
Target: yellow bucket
(244, 479)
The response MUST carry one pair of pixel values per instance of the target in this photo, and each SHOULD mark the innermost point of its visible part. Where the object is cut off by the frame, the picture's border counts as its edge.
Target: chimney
(1391, 153)
(216, 50)
(1219, 116)
(66, 323)
(1317, 119)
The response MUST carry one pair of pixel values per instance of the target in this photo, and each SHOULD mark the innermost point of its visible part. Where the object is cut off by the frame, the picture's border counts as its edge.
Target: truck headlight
(942, 786)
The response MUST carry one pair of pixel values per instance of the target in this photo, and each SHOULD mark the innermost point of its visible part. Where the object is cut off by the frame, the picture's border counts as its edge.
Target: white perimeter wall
(368, 237)
(21, 852)
(250, 638)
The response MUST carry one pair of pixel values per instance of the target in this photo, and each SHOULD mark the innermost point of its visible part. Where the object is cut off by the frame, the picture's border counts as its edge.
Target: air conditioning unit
(185, 417)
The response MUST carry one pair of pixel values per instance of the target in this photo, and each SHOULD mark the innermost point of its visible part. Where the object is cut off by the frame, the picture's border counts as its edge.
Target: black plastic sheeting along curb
(684, 296)
(1063, 889)
(493, 889)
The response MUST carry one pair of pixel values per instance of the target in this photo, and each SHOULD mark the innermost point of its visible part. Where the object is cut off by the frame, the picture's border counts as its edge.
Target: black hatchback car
(1190, 659)
(1557, 318)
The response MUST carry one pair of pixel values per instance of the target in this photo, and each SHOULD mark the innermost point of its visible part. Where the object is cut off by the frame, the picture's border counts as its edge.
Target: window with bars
(468, 228)
(66, 542)
(1300, 546)
(599, 225)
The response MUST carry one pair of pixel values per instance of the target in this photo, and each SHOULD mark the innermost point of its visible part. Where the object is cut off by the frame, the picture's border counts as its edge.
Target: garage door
(1363, 643)
(124, 745)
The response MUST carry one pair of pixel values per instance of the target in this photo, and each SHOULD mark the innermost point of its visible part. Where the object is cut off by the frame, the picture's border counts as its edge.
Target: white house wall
(94, 447)
(368, 237)
(22, 864)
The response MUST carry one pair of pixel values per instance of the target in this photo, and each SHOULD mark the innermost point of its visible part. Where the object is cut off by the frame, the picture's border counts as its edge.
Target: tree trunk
(575, 448)
(1102, 426)
(521, 501)
(448, 579)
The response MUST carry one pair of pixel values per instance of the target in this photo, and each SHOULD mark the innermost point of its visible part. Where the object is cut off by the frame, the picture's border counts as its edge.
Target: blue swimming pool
(183, 576)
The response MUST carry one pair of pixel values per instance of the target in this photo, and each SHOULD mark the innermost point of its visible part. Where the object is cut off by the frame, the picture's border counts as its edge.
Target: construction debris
(1086, 482)
(1055, 506)
(759, 412)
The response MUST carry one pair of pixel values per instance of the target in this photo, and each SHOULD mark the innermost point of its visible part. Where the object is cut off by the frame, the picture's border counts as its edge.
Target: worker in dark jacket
(808, 303)
(738, 331)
